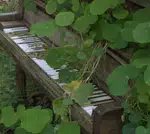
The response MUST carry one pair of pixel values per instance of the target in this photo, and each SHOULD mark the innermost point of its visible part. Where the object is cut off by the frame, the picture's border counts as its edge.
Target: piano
(102, 113)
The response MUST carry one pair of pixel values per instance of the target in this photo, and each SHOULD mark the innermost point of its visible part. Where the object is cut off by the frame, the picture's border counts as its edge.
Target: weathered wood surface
(53, 89)
(106, 120)
(9, 24)
(12, 16)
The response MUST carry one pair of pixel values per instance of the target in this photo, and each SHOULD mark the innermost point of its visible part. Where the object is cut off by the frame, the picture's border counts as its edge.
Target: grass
(7, 78)
(12, 5)
(9, 94)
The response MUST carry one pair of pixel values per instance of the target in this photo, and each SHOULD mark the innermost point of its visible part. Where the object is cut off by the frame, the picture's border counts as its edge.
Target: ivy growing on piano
(98, 25)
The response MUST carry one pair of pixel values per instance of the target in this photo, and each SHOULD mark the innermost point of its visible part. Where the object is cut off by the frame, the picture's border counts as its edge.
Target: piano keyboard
(32, 44)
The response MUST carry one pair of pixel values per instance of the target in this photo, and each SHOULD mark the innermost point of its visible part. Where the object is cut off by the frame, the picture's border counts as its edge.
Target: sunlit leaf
(67, 102)
(69, 128)
(81, 56)
(59, 108)
(88, 42)
(8, 116)
(20, 110)
(20, 130)
(60, 1)
(82, 93)
(35, 120)
(140, 130)
(64, 18)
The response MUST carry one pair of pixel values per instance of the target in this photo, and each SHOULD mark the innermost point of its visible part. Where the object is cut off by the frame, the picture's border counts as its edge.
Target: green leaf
(141, 33)
(118, 43)
(47, 28)
(147, 75)
(64, 18)
(126, 33)
(35, 120)
(123, 74)
(99, 7)
(142, 87)
(140, 130)
(49, 129)
(88, 42)
(81, 56)
(98, 52)
(75, 5)
(59, 108)
(60, 1)
(55, 57)
(82, 93)
(129, 128)
(141, 58)
(51, 6)
(8, 116)
(143, 98)
(69, 128)
(29, 5)
(142, 15)
(19, 130)
(20, 110)
(82, 23)
(135, 118)
(111, 31)
(59, 56)
(120, 13)
(67, 102)
(66, 76)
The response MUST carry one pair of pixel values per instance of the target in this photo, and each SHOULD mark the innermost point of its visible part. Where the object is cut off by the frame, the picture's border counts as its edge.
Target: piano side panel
(107, 119)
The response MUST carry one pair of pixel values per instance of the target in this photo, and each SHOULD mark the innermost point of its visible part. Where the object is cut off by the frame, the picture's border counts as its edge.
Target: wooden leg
(21, 81)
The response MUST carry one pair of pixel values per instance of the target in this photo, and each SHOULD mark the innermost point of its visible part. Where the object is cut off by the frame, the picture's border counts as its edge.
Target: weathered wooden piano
(103, 115)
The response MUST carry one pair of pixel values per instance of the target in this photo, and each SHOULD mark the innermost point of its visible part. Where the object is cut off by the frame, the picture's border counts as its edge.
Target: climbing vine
(97, 25)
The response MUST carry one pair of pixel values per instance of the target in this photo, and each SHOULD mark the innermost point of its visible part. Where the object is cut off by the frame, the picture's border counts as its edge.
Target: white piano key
(89, 109)
(27, 40)
(16, 29)
(103, 98)
(97, 95)
(61, 84)
(21, 36)
(46, 68)
(98, 92)
(28, 49)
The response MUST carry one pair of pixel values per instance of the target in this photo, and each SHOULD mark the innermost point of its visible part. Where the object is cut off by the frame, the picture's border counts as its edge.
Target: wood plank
(10, 24)
(12, 16)
(53, 89)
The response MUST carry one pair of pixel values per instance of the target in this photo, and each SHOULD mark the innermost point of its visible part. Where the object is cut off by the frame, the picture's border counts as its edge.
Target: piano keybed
(32, 44)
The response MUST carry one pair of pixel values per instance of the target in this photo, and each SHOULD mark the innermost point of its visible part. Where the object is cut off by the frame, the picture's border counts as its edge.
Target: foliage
(101, 24)
(34, 120)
